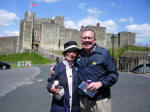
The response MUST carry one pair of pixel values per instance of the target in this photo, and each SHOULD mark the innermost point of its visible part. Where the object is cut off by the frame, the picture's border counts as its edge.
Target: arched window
(35, 33)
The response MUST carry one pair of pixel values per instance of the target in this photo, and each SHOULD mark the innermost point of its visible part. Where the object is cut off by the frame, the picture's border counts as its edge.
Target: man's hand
(54, 90)
(93, 86)
(52, 72)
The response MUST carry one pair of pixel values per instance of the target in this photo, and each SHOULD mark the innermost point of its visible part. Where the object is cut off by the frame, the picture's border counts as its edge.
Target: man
(95, 64)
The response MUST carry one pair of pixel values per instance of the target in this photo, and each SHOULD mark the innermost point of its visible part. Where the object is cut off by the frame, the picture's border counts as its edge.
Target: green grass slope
(33, 57)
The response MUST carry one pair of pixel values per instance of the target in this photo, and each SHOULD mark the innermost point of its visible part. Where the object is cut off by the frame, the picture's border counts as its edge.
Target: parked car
(4, 65)
(140, 69)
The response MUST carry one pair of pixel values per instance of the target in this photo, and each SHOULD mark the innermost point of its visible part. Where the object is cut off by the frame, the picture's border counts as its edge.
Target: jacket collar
(67, 63)
(96, 49)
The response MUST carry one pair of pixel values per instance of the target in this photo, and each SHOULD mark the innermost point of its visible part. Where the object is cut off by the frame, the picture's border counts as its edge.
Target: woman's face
(71, 56)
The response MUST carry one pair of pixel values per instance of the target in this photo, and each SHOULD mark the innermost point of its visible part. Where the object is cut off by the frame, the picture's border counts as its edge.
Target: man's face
(71, 56)
(88, 40)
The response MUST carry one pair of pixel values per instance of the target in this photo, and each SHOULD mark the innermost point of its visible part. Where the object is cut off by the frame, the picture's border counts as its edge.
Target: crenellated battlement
(44, 21)
(51, 34)
(31, 17)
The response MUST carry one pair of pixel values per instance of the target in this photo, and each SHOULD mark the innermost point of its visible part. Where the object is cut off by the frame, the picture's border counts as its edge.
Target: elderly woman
(66, 75)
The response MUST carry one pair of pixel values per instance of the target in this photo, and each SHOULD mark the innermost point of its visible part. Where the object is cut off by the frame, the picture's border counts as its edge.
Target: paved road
(31, 96)
(130, 94)
(12, 78)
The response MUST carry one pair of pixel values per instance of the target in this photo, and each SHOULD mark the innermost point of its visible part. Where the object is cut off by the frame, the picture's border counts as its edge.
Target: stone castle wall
(9, 45)
(100, 35)
(49, 37)
(51, 34)
(126, 38)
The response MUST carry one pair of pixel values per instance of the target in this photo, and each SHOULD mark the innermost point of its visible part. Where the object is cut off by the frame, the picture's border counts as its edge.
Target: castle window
(35, 33)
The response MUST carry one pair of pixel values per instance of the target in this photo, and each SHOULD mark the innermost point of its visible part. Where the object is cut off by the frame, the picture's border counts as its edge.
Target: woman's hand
(52, 72)
(54, 90)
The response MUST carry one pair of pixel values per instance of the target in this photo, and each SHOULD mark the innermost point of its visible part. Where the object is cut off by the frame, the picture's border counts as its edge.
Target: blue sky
(116, 15)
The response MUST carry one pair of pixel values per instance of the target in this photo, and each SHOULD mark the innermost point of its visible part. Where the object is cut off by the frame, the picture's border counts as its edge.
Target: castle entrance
(35, 46)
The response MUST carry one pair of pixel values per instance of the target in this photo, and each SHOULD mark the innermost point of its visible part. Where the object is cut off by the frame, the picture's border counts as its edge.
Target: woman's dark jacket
(60, 74)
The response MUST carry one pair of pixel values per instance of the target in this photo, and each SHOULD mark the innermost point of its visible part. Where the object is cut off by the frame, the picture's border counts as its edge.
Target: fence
(129, 63)
(24, 63)
(50, 55)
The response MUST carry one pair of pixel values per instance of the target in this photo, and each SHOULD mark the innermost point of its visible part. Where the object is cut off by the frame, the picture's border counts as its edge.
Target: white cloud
(142, 32)
(113, 4)
(88, 21)
(82, 5)
(123, 20)
(70, 24)
(7, 18)
(9, 33)
(129, 19)
(110, 25)
(91, 20)
(48, 1)
(94, 12)
(83, 22)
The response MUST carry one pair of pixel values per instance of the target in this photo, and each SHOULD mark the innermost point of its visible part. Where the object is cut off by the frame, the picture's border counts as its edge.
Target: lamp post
(113, 40)
(127, 43)
(127, 57)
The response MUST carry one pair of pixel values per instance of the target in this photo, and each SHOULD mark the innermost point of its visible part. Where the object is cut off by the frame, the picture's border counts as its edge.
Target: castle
(51, 34)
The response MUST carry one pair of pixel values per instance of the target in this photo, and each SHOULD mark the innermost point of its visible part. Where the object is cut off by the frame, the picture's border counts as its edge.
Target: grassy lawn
(119, 51)
(59, 52)
(35, 59)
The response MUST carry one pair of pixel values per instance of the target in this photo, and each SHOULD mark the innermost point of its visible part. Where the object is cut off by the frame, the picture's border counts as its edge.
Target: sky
(115, 15)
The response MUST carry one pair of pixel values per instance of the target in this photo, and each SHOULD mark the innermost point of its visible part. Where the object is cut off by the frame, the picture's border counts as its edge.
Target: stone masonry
(51, 34)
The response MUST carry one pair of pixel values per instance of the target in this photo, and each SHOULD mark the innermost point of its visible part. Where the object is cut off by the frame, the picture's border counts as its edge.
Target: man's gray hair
(88, 28)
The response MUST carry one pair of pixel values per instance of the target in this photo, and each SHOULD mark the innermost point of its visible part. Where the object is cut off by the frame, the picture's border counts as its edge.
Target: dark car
(4, 65)
(140, 69)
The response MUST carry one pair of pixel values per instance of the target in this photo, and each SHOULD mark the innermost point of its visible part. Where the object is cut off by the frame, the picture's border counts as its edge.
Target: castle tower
(126, 38)
(51, 34)
(26, 31)
(29, 16)
(59, 20)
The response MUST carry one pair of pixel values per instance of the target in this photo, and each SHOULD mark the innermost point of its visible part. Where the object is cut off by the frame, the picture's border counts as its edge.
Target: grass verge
(35, 59)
